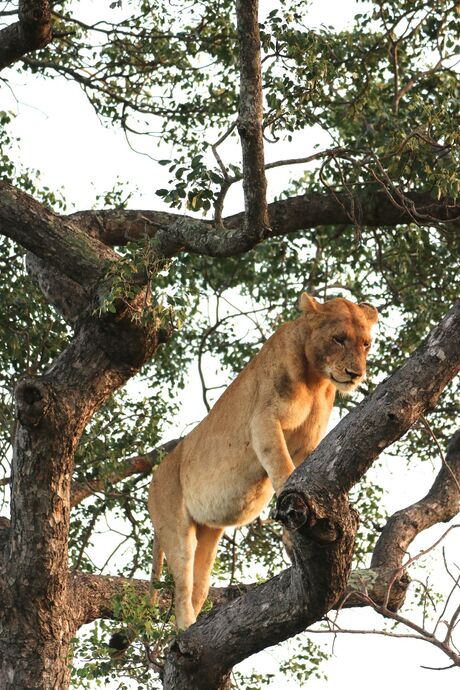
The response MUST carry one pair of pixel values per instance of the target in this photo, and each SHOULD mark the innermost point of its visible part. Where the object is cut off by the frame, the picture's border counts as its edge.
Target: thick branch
(57, 240)
(76, 245)
(309, 210)
(440, 504)
(94, 596)
(32, 31)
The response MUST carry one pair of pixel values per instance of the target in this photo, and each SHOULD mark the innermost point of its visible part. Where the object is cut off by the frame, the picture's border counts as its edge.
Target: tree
(376, 218)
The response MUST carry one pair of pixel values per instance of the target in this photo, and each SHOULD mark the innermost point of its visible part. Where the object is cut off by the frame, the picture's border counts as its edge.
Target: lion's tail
(157, 567)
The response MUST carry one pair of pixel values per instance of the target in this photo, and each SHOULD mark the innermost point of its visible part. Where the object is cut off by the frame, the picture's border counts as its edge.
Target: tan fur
(268, 420)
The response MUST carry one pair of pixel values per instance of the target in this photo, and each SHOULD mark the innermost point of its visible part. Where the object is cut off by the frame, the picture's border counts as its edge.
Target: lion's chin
(344, 387)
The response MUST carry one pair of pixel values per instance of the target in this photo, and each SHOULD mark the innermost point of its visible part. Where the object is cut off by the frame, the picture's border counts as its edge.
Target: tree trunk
(36, 611)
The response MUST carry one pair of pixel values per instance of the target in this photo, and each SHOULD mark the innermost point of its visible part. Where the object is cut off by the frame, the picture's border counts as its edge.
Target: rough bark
(32, 31)
(117, 227)
(249, 124)
(56, 240)
(52, 411)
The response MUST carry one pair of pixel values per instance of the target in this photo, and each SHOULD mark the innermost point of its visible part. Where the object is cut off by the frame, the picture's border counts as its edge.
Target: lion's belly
(228, 496)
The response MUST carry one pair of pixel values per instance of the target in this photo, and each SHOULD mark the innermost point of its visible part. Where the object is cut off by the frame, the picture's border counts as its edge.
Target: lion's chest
(304, 423)
(294, 411)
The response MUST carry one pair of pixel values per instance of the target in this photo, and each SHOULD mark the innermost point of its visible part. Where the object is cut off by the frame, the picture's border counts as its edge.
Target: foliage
(384, 93)
(301, 664)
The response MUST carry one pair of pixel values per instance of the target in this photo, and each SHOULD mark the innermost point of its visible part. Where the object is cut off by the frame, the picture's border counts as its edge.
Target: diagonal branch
(58, 241)
(384, 585)
(31, 32)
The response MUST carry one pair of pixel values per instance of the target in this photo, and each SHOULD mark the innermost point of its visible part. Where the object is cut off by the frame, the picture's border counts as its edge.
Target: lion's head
(339, 340)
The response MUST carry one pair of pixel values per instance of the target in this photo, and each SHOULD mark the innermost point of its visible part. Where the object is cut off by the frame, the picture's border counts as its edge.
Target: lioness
(268, 420)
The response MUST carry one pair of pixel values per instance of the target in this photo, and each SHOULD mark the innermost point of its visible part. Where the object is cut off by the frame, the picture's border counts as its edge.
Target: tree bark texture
(249, 123)
(118, 227)
(441, 504)
(52, 410)
(32, 31)
(59, 242)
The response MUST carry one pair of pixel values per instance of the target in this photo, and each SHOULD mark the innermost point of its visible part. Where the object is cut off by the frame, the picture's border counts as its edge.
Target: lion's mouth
(342, 383)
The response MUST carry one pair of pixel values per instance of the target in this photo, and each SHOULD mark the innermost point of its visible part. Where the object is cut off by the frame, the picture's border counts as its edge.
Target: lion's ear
(308, 304)
(370, 312)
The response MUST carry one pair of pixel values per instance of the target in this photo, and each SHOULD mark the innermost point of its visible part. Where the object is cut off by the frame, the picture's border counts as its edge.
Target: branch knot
(33, 400)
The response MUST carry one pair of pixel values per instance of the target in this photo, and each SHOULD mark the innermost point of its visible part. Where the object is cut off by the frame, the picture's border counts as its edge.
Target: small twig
(428, 427)
(216, 145)
(398, 572)
(438, 668)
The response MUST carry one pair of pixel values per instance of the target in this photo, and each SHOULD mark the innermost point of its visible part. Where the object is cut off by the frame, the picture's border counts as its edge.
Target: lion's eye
(367, 345)
(339, 339)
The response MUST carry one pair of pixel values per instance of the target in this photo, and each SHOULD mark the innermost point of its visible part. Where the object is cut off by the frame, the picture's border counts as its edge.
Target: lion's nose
(353, 374)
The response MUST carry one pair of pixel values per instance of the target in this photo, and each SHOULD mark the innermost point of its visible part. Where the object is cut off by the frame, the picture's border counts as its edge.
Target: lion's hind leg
(157, 567)
(179, 546)
(205, 555)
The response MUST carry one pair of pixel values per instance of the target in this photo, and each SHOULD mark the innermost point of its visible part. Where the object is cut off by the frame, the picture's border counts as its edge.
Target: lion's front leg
(270, 447)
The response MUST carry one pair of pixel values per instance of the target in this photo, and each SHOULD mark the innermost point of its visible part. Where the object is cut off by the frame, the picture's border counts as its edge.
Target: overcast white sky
(62, 137)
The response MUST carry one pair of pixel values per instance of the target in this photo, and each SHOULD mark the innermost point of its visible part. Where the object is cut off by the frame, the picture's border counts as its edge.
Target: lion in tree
(267, 422)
